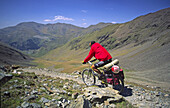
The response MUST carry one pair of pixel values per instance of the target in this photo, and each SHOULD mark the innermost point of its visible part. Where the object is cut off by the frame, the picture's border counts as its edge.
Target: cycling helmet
(115, 69)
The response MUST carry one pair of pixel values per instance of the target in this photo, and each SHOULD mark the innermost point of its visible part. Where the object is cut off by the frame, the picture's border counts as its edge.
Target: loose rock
(44, 100)
(75, 95)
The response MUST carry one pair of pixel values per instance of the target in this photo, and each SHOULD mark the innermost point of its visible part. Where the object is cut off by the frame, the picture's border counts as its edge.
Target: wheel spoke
(88, 77)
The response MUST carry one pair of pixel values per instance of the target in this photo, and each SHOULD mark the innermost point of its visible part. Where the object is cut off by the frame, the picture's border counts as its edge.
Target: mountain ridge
(140, 27)
(35, 38)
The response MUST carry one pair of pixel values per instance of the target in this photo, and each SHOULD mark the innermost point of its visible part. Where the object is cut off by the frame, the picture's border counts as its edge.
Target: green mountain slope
(37, 39)
(150, 27)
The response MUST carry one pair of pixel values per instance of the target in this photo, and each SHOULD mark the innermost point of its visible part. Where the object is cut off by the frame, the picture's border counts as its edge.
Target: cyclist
(100, 53)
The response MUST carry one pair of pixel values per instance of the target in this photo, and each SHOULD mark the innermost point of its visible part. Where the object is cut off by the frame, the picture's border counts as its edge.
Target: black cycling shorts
(102, 63)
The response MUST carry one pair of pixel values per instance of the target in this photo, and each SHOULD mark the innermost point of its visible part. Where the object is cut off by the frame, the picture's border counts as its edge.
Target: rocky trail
(44, 88)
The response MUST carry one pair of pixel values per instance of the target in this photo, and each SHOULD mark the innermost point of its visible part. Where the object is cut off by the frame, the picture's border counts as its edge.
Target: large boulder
(98, 95)
(4, 78)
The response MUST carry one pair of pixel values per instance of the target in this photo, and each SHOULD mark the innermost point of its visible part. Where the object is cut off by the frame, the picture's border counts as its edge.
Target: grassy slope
(63, 58)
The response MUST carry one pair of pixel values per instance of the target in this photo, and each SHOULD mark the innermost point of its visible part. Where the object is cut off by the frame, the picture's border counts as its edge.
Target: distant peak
(25, 23)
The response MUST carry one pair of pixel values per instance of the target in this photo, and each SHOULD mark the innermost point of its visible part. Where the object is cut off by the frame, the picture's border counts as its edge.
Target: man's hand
(83, 62)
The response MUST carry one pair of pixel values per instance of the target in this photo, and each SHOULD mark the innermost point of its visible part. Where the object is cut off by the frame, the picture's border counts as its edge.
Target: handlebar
(90, 62)
(93, 60)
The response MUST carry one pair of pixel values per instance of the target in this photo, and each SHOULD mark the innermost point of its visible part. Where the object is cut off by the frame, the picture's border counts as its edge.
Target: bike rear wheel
(88, 77)
(120, 86)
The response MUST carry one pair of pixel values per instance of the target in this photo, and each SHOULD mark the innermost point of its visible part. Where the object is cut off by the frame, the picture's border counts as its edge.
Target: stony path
(54, 73)
(137, 96)
(76, 76)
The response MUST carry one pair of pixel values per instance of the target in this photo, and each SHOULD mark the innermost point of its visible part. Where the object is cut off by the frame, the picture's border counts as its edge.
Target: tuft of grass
(11, 102)
(124, 104)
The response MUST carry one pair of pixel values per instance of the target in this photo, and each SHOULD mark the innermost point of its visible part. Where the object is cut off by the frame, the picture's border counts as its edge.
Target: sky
(82, 13)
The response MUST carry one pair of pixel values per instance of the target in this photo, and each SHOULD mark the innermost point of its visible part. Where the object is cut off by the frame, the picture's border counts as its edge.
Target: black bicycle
(115, 79)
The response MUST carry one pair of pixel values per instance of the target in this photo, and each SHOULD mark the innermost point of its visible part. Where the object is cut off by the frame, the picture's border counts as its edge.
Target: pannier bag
(110, 76)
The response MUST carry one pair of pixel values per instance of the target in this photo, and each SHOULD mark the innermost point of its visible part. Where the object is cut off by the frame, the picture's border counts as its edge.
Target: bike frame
(104, 82)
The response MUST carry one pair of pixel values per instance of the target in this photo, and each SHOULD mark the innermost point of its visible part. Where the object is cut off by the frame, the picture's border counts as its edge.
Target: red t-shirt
(99, 52)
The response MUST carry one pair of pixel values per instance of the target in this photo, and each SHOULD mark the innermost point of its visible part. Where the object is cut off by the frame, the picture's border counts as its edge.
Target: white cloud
(59, 18)
(114, 22)
(62, 18)
(47, 20)
(84, 11)
(83, 19)
(84, 24)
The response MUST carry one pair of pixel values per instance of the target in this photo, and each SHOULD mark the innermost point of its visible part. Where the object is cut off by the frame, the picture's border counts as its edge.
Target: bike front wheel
(88, 77)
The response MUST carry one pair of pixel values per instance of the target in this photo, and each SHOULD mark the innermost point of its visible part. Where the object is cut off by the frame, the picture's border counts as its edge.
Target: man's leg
(100, 76)
(95, 69)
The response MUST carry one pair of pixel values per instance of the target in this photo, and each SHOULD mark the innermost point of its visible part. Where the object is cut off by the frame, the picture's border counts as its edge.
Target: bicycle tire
(120, 86)
(88, 77)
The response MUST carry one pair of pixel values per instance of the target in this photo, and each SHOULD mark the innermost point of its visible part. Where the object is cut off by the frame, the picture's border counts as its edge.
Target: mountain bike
(109, 77)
